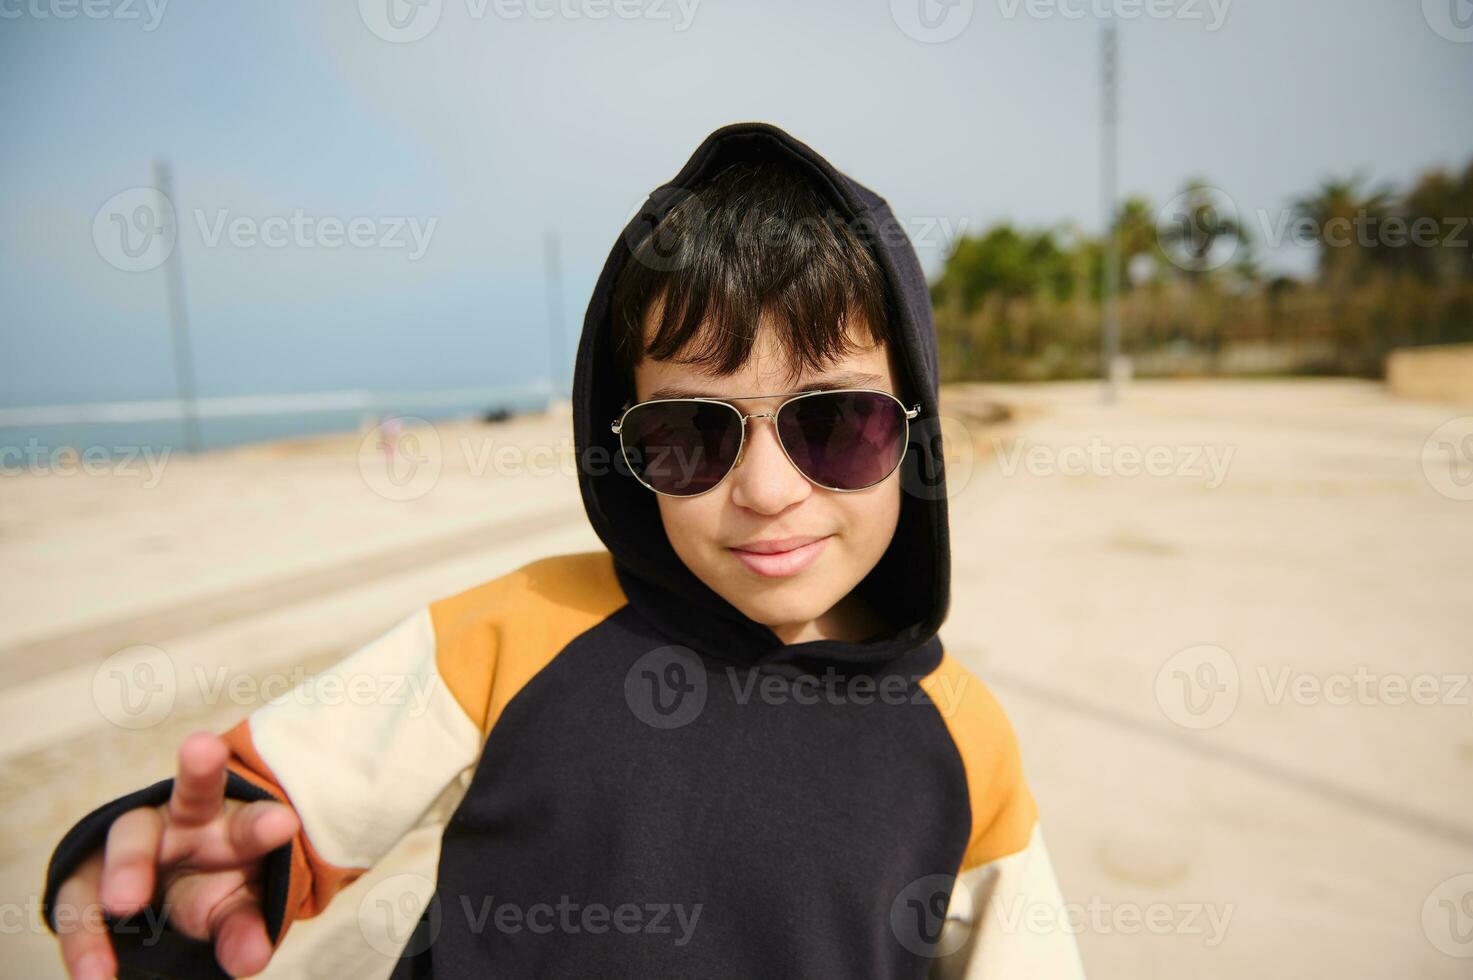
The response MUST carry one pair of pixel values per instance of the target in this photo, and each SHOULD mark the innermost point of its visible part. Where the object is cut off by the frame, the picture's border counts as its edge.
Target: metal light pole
(553, 268)
(179, 315)
(1109, 192)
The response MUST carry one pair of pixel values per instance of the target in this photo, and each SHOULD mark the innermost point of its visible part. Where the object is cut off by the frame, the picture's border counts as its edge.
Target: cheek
(691, 523)
(871, 517)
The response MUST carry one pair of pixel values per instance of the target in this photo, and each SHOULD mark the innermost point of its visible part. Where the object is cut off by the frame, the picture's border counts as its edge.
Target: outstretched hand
(201, 853)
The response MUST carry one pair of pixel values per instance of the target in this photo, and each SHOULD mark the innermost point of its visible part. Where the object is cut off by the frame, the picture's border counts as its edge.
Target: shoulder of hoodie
(492, 638)
(1002, 807)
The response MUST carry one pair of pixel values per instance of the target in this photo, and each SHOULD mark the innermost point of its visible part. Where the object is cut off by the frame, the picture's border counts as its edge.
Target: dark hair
(757, 237)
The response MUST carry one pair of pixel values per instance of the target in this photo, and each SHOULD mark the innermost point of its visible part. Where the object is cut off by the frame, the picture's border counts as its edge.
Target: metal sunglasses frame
(617, 426)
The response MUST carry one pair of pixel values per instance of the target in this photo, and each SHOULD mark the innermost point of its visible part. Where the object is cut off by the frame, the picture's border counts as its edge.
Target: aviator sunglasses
(842, 439)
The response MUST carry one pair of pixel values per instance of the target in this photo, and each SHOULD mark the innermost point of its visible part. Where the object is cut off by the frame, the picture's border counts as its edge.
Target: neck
(851, 619)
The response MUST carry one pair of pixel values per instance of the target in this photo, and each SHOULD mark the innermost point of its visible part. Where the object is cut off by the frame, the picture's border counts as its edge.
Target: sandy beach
(1306, 813)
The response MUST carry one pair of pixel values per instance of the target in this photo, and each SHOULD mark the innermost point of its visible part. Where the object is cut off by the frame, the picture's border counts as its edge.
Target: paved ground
(1229, 620)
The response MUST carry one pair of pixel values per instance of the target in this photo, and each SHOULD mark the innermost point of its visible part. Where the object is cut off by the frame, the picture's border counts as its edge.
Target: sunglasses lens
(847, 440)
(681, 447)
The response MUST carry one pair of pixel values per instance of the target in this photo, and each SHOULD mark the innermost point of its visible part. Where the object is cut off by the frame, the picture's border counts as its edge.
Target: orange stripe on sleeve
(1003, 809)
(314, 881)
(492, 639)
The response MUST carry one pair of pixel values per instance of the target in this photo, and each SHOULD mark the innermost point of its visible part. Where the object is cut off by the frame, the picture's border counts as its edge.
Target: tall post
(553, 271)
(179, 315)
(1109, 192)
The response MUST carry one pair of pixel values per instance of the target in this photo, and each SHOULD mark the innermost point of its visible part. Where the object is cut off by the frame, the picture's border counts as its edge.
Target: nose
(764, 479)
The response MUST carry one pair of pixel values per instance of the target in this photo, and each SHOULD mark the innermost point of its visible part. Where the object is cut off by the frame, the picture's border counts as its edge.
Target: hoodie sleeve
(1006, 916)
(360, 751)
(364, 749)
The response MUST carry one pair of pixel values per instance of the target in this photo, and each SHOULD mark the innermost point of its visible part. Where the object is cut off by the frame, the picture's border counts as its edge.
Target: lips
(780, 557)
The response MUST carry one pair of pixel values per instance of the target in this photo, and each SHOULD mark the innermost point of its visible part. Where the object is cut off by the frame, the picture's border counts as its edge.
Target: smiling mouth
(781, 564)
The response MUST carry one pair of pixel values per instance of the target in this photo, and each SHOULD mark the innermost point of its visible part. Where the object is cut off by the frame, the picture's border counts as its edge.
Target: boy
(729, 746)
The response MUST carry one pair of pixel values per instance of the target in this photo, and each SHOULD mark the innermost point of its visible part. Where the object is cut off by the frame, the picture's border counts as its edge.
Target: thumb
(242, 944)
(256, 829)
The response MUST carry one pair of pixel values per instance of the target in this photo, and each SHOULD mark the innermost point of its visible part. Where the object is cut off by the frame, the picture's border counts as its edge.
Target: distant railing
(242, 406)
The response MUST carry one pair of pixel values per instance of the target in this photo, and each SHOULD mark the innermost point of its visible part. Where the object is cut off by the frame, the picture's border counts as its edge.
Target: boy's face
(805, 594)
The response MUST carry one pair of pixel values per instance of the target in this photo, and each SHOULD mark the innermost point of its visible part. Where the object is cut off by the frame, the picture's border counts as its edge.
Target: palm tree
(1199, 221)
(1135, 225)
(1440, 204)
(1345, 219)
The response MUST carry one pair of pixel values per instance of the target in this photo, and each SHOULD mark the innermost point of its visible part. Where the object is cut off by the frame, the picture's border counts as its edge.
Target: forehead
(768, 370)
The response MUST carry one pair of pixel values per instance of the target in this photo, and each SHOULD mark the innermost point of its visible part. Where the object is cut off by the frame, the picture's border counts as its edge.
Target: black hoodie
(645, 782)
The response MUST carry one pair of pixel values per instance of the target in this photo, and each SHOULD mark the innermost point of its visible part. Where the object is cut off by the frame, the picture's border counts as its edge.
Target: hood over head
(910, 586)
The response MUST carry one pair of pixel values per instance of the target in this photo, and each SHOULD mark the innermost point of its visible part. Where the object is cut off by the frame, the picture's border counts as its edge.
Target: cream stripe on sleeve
(365, 747)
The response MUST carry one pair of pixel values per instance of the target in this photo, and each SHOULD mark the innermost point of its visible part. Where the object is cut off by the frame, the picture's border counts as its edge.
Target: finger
(129, 859)
(259, 828)
(199, 789)
(85, 947)
(242, 946)
(191, 899)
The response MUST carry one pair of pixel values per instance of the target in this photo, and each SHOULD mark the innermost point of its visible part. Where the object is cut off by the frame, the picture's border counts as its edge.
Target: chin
(783, 605)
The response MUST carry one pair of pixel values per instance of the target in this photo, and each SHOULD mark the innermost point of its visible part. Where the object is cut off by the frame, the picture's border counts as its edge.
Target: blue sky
(502, 127)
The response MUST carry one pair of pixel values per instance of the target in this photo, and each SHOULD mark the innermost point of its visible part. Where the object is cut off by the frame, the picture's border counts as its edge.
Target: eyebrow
(846, 379)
